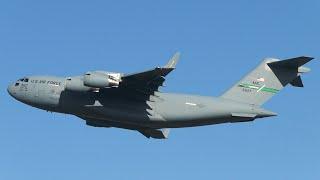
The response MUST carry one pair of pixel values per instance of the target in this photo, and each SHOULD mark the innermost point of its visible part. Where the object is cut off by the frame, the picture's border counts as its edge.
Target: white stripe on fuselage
(191, 104)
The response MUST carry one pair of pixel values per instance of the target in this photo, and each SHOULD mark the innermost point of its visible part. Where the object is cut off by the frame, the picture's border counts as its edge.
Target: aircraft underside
(135, 125)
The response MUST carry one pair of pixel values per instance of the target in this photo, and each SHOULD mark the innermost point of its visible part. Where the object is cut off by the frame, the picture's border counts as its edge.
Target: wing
(148, 82)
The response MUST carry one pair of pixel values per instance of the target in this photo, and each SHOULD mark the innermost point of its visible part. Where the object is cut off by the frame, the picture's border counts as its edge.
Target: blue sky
(220, 41)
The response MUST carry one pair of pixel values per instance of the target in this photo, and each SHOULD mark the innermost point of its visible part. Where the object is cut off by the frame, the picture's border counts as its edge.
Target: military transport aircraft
(133, 101)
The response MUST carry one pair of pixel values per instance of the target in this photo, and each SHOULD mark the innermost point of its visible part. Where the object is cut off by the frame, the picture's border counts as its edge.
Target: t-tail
(268, 79)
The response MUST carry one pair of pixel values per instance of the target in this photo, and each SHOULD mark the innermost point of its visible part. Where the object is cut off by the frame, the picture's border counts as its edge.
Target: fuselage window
(17, 84)
(26, 80)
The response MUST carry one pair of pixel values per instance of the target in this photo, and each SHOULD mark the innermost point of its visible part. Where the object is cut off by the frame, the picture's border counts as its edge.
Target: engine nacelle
(99, 79)
(76, 84)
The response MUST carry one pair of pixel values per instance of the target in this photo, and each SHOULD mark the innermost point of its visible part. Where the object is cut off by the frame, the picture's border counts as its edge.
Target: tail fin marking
(267, 79)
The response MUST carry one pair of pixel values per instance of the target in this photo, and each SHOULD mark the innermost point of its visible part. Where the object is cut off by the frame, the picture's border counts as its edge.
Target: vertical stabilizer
(267, 79)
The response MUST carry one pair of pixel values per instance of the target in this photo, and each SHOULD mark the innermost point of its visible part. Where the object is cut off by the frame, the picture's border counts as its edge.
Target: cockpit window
(17, 84)
(24, 80)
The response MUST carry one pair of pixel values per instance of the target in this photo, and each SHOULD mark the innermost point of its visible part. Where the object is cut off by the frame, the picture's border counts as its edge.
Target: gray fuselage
(108, 109)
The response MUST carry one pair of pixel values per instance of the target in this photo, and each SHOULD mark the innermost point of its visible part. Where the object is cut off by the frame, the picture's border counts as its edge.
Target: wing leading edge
(147, 82)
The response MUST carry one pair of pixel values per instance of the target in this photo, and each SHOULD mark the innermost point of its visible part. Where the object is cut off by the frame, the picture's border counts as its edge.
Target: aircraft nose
(10, 90)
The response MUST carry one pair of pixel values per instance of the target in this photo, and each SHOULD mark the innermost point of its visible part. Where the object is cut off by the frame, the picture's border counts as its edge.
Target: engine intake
(76, 84)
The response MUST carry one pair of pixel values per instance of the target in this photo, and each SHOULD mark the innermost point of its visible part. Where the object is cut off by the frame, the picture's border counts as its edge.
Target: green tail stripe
(264, 89)
(270, 90)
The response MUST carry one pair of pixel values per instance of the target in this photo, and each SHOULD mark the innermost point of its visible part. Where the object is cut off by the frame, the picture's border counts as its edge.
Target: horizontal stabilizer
(292, 63)
(297, 82)
(156, 133)
(303, 69)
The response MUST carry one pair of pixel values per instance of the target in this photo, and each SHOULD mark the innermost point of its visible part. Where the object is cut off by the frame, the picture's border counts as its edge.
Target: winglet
(173, 61)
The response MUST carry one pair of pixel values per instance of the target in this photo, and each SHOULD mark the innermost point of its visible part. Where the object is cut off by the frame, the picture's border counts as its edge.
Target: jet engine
(100, 79)
(76, 84)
